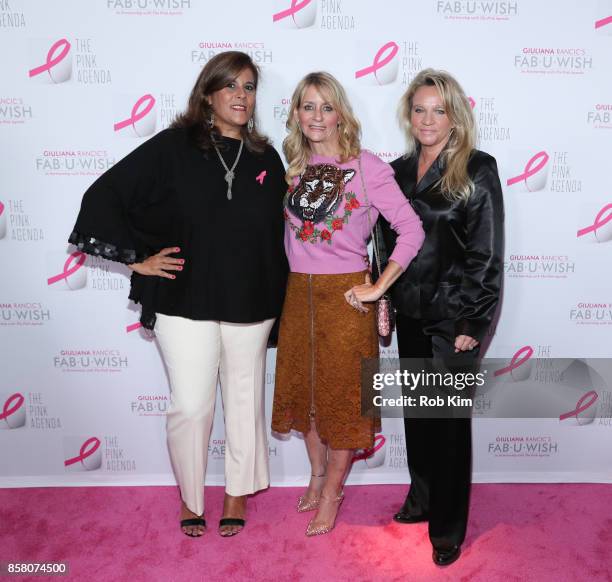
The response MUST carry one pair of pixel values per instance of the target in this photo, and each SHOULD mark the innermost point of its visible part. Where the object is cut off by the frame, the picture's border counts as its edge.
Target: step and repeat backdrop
(83, 392)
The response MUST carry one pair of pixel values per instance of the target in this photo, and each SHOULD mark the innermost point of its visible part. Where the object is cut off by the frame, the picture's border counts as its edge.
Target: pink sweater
(326, 218)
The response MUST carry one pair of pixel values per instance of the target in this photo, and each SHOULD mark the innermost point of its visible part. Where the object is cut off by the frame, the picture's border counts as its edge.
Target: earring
(250, 125)
(211, 120)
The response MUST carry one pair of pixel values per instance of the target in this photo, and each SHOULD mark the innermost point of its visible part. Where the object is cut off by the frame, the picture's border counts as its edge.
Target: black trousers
(439, 450)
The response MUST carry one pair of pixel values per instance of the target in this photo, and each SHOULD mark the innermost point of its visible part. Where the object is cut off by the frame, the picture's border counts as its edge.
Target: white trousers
(196, 353)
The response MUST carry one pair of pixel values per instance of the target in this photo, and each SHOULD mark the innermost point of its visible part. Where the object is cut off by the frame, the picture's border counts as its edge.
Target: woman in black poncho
(196, 212)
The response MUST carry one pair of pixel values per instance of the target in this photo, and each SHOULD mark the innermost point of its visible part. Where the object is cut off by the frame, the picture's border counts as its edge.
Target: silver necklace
(229, 172)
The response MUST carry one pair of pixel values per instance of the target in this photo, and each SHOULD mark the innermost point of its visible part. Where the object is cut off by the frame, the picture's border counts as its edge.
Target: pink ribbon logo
(140, 110)
(88, 448)
(391, 49)
(517, 360)
(533, 166)
(53, 59)
(78, 258)
(261, 177)
(600, 220)
(296, 6)
(603, 22)
(585, 402)
(149, 333)
(12, 405)
(379, 443)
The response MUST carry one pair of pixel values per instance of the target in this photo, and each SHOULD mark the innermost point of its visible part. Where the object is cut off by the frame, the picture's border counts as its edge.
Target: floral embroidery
(308, 232)
(308, 228)
(337, 224)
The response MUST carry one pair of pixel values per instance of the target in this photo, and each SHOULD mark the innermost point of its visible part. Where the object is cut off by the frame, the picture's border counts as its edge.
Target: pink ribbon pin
(1, 209)
(148, 102)
(603, 22)
(379, 443)
(52, 60)
(585, 402)
(88, 448)
(133, 327)
(530, 168)
(261, 176)
(472, 102)
(391, 47)
(296, 6)
(12, 405)
(599, 221)
(517, 360)
(79, 260)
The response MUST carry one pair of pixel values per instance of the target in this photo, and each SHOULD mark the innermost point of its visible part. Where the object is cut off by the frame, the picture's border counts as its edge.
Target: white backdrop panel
(83, 392)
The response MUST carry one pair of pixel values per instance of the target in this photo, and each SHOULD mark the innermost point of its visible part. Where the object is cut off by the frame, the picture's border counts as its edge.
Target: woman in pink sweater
(336, 192)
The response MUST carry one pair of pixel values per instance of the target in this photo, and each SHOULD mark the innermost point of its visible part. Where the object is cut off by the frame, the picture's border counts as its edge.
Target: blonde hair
(296, 147)
(455, 183)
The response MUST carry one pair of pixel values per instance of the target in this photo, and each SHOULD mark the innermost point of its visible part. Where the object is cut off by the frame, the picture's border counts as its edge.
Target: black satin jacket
(458, 271)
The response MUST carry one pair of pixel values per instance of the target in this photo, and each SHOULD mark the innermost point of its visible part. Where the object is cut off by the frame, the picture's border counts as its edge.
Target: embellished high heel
(304, 505)
(317, 530)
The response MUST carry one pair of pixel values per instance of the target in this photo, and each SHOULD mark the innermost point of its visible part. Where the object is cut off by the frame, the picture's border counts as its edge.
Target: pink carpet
(517, 533)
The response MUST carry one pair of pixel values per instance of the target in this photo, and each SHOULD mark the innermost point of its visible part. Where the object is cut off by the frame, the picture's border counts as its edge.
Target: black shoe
(193, 521)
(447, 556)
(404, 517)
(230, 521)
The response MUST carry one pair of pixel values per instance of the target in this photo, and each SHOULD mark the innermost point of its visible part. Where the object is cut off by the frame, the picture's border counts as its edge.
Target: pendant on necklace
(229, 178)
(229, 172)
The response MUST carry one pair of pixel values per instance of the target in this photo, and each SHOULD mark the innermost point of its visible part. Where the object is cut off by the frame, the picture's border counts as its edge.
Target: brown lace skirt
(322, 340)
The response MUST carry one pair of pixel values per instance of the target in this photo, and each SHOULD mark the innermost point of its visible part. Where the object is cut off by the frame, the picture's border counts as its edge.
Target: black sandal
(193, 521)
(230, 521)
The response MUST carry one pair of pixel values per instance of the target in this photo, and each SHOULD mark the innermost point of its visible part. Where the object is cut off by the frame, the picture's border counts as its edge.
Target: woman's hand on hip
(360, 294)
(464, 343)
(159, 264)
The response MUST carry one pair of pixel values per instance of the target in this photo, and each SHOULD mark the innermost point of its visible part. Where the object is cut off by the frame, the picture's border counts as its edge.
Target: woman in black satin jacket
(447, 297)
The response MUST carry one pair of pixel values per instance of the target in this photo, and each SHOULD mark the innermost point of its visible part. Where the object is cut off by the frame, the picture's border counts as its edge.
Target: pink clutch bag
(385, 314)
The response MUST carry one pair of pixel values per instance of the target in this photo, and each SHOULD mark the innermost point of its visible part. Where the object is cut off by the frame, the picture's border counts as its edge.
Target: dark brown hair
(216, 74)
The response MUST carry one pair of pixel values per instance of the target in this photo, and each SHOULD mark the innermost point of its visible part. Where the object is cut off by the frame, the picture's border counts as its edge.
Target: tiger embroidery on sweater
(319, 192)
